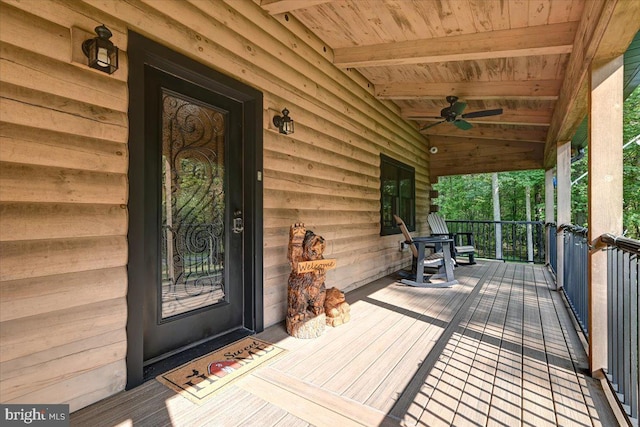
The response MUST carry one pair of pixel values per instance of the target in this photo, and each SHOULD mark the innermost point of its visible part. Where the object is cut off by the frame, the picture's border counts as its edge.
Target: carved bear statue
(306, 291)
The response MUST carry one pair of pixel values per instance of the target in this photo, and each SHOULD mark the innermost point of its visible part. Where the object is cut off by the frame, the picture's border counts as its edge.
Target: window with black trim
(397, 195)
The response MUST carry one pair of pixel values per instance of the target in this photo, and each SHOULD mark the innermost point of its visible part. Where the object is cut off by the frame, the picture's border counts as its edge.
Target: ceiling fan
(453, 114)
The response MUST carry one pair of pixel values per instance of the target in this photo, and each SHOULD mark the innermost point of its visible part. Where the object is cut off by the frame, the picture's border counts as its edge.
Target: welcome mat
(203, 377)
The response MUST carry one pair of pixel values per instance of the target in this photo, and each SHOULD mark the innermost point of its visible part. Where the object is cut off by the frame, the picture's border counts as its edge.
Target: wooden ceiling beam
(508, 117)
(453, 142)
(538, 40)
(275, 7)
(522, 90)
(484, 167)
(605, 31)
(459, 154)
(488, 158)
(536, 134)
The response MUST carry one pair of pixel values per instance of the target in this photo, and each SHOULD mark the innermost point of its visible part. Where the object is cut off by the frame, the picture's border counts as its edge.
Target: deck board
(442, 396)
(406, 401)
(569, 402)
(537, 398)
(474, 403)
(498, 349)
(506, 399)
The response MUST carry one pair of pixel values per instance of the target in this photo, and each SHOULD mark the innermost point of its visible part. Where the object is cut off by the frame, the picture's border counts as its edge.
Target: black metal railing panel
(552, 246)
(623, 299)
(575, 280)
(622, 325)
(514, 244)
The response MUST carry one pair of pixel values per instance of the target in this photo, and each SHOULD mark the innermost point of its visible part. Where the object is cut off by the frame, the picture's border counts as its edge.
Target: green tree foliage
(631, 169)
(469, 196)
(465, 197)
(631, 174)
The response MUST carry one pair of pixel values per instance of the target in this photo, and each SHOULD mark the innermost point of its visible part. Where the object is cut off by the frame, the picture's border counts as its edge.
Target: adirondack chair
(439, 228)
(441, 259)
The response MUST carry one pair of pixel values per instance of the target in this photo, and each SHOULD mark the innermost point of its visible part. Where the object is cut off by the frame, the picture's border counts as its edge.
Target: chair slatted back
(437, 224)
(406, 234)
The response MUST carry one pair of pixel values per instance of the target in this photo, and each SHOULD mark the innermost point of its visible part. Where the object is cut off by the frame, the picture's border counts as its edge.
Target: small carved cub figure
(336, 308)
(306, 291)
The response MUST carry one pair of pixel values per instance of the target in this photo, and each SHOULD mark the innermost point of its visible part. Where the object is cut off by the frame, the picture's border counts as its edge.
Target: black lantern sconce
(102, 53)
(284, 123)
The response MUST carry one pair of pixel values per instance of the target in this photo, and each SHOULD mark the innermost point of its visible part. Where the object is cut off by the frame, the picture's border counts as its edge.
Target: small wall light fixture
(284, 123)
(102, 53)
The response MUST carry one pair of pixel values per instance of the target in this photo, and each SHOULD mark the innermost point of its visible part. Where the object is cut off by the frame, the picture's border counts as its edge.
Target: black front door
(195, 201)
(194, 178)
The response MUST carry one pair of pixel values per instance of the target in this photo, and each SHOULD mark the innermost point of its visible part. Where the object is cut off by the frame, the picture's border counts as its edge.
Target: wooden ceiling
(528, 57)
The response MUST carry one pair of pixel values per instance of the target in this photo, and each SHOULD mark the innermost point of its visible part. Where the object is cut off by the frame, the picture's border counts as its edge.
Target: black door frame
(144, 52)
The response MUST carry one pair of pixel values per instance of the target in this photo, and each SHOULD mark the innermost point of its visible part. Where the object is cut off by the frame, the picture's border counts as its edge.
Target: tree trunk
(496, 214)
(529, 231)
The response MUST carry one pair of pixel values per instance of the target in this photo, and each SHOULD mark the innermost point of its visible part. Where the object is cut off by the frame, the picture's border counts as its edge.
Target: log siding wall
(64, 163)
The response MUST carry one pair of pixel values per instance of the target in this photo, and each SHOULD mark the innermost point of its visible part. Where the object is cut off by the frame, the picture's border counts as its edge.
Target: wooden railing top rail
(623, 243)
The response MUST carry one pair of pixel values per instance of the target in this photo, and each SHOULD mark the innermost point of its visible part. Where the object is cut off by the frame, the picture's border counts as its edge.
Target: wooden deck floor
(498, 349)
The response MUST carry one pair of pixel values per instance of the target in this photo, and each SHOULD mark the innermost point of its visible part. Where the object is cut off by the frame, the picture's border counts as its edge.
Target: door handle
(238, 223)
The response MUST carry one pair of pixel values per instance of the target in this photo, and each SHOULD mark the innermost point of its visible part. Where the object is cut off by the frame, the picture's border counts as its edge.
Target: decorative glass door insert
(193, 205)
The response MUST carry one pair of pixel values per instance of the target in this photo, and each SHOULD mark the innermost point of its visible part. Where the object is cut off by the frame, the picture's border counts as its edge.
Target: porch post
(549, 210)
(564, 203)
(604, 193)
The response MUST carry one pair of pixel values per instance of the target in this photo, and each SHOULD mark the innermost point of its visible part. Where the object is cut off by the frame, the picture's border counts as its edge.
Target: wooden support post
(549, 209)
(564, 203)
(604, 194)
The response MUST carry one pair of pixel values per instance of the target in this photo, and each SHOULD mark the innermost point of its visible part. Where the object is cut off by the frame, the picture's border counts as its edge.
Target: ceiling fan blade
(483, 113)
(458, 107)
(462, 124)
(431, 125)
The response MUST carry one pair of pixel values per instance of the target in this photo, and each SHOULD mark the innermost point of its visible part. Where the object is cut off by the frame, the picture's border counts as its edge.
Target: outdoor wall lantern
(102, 53)
(284, 123)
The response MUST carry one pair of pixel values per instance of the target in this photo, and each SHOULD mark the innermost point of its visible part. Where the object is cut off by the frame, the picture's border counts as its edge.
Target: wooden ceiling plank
(487, 154)
(540, 40)
(446, 150)
(605, 31)
(275, 7)
(487, 167)
(518, 13)
(522, 90)
(479, 160)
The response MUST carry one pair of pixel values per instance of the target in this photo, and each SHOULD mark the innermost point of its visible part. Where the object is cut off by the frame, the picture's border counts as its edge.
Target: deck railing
(552, 246)
(622, 326)
(575, 280)
(514, 244)
(622, 305)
